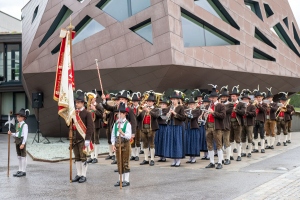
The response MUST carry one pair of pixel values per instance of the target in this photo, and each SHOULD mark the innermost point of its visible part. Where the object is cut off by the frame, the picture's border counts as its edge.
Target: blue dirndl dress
(174, 141)
(192, 138)
(159, 140)
(202, 139)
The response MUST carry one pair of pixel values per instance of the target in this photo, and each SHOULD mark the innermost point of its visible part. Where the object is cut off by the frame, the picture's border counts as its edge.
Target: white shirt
(127, 131)
(24, 133)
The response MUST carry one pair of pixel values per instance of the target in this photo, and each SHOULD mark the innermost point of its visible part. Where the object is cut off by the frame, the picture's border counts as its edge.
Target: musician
(147, 119)
(192, 131)
(81, 137)
(283, 117)
(203, 120)
(136, 144)
(290, 125)
(224, 96)
(173, 141)
(198, 97)
(261, 109)
(160, 133)
(236, 119)
(271, 119)
(122, 128)
(214, 128)
(97, 115)
(248, 123)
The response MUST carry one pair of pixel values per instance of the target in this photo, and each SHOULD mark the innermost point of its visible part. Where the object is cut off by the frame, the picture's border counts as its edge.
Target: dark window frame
(268, 10)
(141, 25)
(256, 7)
(263, 38)
(263, 54)
(286, 22)
(296, 36)
(35, 12)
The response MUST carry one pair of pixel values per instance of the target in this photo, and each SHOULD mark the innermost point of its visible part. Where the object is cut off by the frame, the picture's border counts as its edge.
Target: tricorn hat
(235, 90)
(22, 112)
(214, 92)
(224, 92)
(269, 93)
(257, 92)
(206, 98)
(152, 96)
(197, 93)
(124, 94)
(164, 99)
(136, 96)
(191, 100)
(80, 96)
(245, 94)
(284, 96)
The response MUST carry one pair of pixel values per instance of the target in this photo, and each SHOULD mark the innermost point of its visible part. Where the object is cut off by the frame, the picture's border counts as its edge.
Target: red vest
(147, 119)
(210, 117)
(233, 114)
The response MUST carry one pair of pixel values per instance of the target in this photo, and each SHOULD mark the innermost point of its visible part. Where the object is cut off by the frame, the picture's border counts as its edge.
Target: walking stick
(99, 76)
(8, 156)
(9, 122)
(120, 155)
(71, 141)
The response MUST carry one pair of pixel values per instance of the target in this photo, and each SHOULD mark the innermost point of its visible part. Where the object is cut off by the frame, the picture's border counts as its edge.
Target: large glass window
(7, 103)
(90, 28)
(260, 36)
(20, 101)
(296, 36)
(197, 34)
(13, 62)
(35, 13)
(122, 9)
(1, 62)
(268, 10)
(254, 6)
(145, 31)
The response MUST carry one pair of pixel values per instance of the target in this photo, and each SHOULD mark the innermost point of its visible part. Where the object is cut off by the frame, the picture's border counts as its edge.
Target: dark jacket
(130, 117)
(98, 116)
(219, 115)
(261, 114)
(292, 112)
(180, 116)
(164, 112)
(87, 120)
(228, 109)
(271, 109)
(194, 120)
(154, 114)
(240, 111)
(136, 114)
(250, 115)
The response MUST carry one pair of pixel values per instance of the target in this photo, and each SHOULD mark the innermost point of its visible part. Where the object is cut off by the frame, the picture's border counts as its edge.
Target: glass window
(90, 28)
(7, 103)
(296, 36)
(213, 38)
(139, 5)
(145, 32)
(13, 62)
(20, 101)
(118, 9)
(35, 13)
(254, 6)
(193, 32)
(1, 62)
(262, 55)
(268, 10)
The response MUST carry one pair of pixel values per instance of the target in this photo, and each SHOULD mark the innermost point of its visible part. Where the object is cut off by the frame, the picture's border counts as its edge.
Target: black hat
(176, 95)
(152, 96)
(197, 93)
(284, 96)
(80, 96)
(136, 96)
(257, 92)
(264, 94)
(164, 99)
(225, 92)
(214, 92)
(246, 94)
(22, 112)
(235, 90)
(269, 93)
(122, 108)
(124, 94)
(205, 99)
(191, 100)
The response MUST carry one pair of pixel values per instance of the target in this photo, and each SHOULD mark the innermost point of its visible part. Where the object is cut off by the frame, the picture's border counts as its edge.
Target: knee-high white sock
(232, 147)
(272, 141)
(93, 153)
(79, 168)
(110, 150)
(126, 177)
(96, 150)
(146, 153)
(83, 169)
(249, 147)
(239, 149)
(133, 152)
(142, 145)
(278, 138)
(211, 156)
(220, 156)
(256, 144)
(228, 151)
(137, 151)
(285, 138)
(152, 151)
(269, 141)
(24, 164)
(244, 147)
(20, 163)
(262, 144)
(290, 136)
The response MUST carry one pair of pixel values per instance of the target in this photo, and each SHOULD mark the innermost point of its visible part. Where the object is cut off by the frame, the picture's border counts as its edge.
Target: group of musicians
(174, 127)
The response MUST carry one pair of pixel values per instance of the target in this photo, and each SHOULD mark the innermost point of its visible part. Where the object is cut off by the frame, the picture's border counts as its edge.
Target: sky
(13, 7)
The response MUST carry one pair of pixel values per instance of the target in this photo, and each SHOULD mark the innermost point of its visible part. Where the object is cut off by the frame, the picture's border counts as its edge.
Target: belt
(123, 140)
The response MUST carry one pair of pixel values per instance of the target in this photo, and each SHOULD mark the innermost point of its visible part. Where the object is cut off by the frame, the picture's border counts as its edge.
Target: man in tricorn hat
(136, 144)
(81, 137)
(271, 119)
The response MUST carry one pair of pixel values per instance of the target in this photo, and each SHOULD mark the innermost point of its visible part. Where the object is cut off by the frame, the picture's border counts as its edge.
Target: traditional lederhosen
(137, 138)
(270, 124)
(259, 125)
(226, 132)
(247, 129)
(282, 122)
(21, 138)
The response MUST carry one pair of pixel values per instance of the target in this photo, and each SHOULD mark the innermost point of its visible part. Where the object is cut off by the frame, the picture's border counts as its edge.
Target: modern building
(9, 24)
(161, 44)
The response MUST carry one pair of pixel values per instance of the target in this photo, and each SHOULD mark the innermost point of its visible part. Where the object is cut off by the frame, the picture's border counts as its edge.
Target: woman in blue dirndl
(174, 137)
(192, 132)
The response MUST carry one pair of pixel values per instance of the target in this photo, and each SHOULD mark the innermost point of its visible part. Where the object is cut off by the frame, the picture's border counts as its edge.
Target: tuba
(144, 99)
(158, 97)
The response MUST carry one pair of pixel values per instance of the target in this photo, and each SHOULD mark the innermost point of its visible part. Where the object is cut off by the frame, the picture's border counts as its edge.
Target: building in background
(161, 44)
(12, 94)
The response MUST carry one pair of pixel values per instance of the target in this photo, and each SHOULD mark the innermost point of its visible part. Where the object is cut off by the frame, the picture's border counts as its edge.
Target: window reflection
(13, 62)
(1, 62)
(90, 28)
(145, 32)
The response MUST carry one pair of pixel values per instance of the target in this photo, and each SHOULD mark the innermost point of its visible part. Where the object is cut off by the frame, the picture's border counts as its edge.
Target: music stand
(38, 132)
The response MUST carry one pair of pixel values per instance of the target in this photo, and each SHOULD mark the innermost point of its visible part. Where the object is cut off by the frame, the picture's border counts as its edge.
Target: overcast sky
(13, 7)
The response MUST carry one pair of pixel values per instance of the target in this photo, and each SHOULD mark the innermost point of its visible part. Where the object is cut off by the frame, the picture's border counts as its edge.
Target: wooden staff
(99, 76)
(8, 155)
(71, 143)
(120, 154)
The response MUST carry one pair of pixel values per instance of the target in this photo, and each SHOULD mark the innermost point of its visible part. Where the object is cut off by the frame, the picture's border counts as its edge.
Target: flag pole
(96, 60)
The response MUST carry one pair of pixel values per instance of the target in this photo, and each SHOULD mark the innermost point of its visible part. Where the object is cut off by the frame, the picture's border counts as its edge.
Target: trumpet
(144, 99)
(188, 113)
(169, 114)
(204, 113)
(283, 108)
